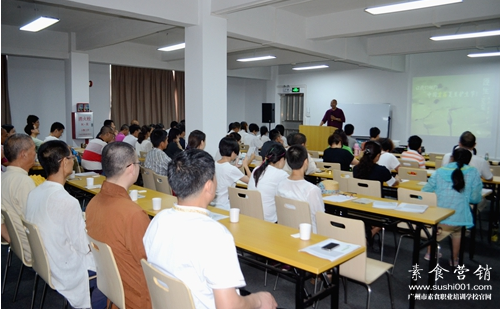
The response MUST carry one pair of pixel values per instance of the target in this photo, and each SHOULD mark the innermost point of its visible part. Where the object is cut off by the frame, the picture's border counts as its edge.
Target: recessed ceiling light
(256, 58)
(477, 55)
(407, 6)
(39, 24)
(466, 35)
(314, 67)
(173, 47)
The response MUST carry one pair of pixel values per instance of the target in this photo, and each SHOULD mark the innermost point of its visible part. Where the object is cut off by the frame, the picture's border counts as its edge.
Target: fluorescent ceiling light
(466, 35)
(407, 6)
(492, 54)
(173, 47)
(39, 24)
(314, 67)
(256, 58)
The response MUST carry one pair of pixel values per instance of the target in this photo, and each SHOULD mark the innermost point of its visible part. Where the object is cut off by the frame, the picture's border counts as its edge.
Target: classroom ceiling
(297, 32)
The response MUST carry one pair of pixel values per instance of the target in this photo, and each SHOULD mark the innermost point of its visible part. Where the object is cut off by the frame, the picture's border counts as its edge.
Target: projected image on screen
(450, 105)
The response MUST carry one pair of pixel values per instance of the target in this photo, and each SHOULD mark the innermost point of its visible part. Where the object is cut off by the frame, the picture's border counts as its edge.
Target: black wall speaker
(268, 112)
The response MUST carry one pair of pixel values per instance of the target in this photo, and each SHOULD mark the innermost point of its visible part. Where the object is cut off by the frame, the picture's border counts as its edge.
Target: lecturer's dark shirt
(337, 113)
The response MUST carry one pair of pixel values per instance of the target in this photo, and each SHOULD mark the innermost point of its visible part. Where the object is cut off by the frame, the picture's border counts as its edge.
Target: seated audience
(226, 173)
(369, 169)
(173, 146)
(345, 141)
(234, 127)
(374, 136)
(243, 130)
(136, 122)
(457, 185)
(33, 132)
(281, 129)
(124, 131)
(296, 187)
(143, 142)
(114, 219)
(274, 138)
(413, 152)
(264, 134)
(300, 139)
(56, 130)
(196, 140)
(110, 123)
(202, 254)
(19, 150)
(58, 217)
(156, 159)
(91, 157)
(134, 134)
(266, 179)
(173, 124)
(335, 154)
(252, 139)
(33, 121)
(182, 140)
(468, 141)
(349, 131)
(387, 159)
(9, 128)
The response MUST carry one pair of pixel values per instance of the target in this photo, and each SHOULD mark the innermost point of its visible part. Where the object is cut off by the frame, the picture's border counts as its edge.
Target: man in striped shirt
(413, 152)
(91, 158)
(156, 159)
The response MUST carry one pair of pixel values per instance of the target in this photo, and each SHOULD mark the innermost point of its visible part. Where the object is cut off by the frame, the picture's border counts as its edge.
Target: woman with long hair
(173, 146)
(266, 179)
(143, 142)
(196, 140)
(368, 167)
(457, 185)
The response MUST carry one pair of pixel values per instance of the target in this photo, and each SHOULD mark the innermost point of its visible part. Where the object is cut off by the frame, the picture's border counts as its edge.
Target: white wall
(100, 94)
(245, 98)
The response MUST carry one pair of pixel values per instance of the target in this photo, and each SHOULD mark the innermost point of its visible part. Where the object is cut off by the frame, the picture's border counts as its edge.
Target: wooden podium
(317, 137)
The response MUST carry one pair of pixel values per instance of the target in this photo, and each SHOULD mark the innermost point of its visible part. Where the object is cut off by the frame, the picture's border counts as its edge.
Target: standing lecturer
(334, 117)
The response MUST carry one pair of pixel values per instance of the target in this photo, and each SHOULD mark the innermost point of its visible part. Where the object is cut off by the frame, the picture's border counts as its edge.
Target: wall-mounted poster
(83, 125)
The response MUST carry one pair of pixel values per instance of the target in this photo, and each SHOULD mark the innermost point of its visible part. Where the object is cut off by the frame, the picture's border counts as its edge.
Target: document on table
(416, 208)
(217, 216)
(385, 205)
(338, 198)
(486, 192)
(331, 255)
(87, 174)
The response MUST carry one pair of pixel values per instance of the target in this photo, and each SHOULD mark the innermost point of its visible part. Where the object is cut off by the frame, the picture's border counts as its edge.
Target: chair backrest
(248, 201)
(109, 280)
(346, 230)
(292, 212)
(15, 239)
(495, 170)
(418, 174)
(439, 163)
(76, 166)
(143, 154)
(365, 187)
(342, 178)
(39, 260)
(166, 291)
(417, 197)
(313, 153)
(435, 156)
(244, 148)
(148, 178)
(408, 163)
(162, 184)
(328, 166)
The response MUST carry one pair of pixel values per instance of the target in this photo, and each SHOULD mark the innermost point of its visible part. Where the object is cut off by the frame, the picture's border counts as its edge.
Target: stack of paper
(331, 255)
(385, 205)
(338, 198)
(416, 208)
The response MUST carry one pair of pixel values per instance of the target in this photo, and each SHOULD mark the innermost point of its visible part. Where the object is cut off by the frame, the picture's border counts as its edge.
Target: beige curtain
(148, 95)
(180, 95)
(6, 117)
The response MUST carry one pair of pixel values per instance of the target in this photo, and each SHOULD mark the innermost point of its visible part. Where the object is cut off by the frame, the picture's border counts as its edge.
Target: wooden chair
(360, 268)
(342, 178)
(248, 201)
(408, 163)
(109, 280)
(418, 174)
(365, 187)
(166, 291)
(495, 170)
(439, 163)
(143, 154)
(328, 166)
(39, 261)
(435, 156)
(162, 184)
(148, 178)
(313, 153)
(244, 148)
(16, 247)
(422, 198)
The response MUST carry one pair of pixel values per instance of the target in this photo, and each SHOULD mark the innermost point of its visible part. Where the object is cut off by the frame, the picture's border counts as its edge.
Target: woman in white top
(266, 179)
(263, 134)
(143, 142)
(387, 159)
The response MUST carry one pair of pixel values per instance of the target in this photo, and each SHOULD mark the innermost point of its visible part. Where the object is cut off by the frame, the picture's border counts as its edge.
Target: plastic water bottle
(486, 156)
(356, 149)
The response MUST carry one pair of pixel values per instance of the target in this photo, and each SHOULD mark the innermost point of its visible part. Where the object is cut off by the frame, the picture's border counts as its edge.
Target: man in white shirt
(296, 187)
(133, 135)
(300, 139)
(59, 219)
(203, 253)
(387, 159)
(56, 130)
(468, 141)
(252, 139)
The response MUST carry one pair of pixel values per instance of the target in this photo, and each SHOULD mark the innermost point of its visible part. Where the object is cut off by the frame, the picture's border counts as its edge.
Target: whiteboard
(365, 116)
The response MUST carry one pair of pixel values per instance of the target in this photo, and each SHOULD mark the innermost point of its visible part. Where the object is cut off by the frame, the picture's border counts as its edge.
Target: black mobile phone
(329, 246)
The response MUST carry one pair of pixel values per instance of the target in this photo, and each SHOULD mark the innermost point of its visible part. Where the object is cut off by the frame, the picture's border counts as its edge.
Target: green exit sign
(295, 89)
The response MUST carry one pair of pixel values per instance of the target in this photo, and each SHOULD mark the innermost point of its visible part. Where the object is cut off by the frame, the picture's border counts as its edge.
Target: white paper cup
(305, 231)
(90, 182)
(156, 203)
(133, 195)
(72, 176)
(234, 215)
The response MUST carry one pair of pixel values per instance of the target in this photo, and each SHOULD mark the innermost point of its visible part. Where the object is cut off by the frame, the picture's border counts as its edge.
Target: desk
(248, 234)
(432, 216)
